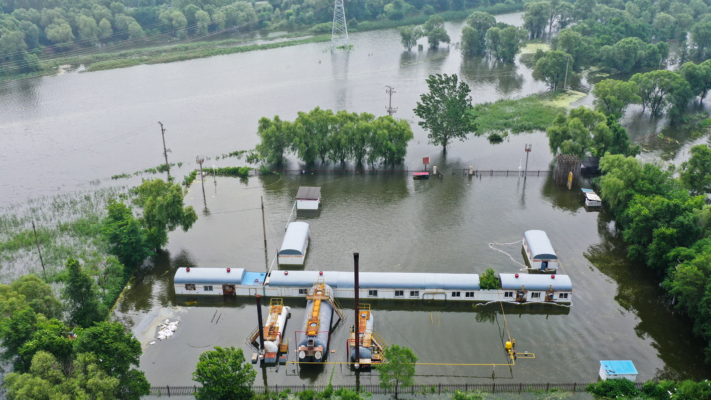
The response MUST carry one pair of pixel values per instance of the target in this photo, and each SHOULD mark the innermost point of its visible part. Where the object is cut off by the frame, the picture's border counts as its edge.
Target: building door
(544, 265)
(228, 290)
(520, 296)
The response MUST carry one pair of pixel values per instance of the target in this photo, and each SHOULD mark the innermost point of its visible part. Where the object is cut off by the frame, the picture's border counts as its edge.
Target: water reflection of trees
(483, 70)
(561, 197)
(639, 293)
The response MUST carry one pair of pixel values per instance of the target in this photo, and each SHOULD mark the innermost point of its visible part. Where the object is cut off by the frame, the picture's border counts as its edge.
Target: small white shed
(539, 251)
(308, 198)
(296, 242)
(618, 369)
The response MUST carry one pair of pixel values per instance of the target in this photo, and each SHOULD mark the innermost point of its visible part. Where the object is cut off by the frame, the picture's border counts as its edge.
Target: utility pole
(356, 286)
(214, 178)
(264, 226)
(165, 151)
(200, 160)
(390, 90)
(565, 82)
(528, 150)
(38, 248)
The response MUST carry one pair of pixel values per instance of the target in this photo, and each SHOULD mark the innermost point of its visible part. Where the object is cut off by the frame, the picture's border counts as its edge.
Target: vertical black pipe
(356, 286)
(261, 325)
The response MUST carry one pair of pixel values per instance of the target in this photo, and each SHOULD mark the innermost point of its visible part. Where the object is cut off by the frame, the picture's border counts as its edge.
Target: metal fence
(455, 171)
(413, 390)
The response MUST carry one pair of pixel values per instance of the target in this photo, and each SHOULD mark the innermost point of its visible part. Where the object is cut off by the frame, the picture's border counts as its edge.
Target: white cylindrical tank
(273, 346)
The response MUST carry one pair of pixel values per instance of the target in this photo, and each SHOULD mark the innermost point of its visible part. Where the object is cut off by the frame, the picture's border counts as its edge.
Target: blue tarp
(619, 367)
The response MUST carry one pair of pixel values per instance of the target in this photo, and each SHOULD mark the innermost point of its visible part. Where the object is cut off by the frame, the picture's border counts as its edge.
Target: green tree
(202, 20)
(15, 331)
(443, 110)
(612, 96)
(275, 139)
(88, 30)
(479, 23)
(575, 133)
(163, 210)
(510, 42)
(360, 137)
(470, 40)
(389, 139)
(311, 131)
(551, 68)
(127, 240)
(50, 336)
(409, 35)
(47, 380)
(81, 297)
(576, 45)
(29, 290)
(224, 375)
(434, 30)
(564, 14)
(488, 280)
(339, 146)
(698, 76)
(536, 17)
(174, 22)
(399, 368)
(696, 173)
(105, 29)
(60, 34)
(701, 36)
(665, 26)
(117, 351)
(135, 31)
(657, 87)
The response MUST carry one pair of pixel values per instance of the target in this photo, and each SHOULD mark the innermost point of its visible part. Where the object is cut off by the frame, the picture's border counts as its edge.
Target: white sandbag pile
(167, 329)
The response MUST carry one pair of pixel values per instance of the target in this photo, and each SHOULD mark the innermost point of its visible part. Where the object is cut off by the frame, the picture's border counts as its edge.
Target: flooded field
(61, 133)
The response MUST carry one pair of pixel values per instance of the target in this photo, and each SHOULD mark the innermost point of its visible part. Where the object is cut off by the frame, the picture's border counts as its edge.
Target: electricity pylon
(339, 33)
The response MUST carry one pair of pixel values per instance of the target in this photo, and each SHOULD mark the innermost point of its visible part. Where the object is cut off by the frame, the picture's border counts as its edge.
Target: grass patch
(503, 117)
(564, 98)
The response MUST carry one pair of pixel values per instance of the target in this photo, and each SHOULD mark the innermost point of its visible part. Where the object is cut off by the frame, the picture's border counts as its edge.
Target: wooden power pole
(390, 90)
(38, 248)
(264, 225)
(165, 151)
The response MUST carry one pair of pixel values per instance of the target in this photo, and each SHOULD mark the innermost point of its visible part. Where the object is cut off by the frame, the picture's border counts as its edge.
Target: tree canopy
(163, 210)
(696, 172)
(399, 369)
(444, 110)
(224, 374)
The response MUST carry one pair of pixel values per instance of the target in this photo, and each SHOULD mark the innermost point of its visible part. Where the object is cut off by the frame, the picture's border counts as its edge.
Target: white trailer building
(539, 252)
(308, 198)
(296, 242)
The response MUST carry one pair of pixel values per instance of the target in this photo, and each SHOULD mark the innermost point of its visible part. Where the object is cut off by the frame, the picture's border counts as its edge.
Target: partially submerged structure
(273, 331)
(371, 345)
(217, 281)
(534, 288)
(312, 345)
(592, 200)
(308, 198)
(539, 252)
(621, 369)
(296, 242)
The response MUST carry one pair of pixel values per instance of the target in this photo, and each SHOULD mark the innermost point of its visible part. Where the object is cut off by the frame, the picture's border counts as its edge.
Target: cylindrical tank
(313, 348)
(273, 346)
(365, 352)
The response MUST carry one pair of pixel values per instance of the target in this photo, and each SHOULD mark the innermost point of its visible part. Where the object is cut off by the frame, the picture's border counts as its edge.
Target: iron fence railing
(455, 171)
(440, 388)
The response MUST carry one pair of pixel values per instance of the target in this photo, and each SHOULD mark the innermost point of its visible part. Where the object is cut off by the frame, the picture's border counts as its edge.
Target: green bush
(321, 29)
(613, 388)
(488, 280)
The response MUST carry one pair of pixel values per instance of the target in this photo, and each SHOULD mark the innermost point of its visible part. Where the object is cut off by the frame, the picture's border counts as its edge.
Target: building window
(563, 296)
(469, 294)
(207, 288)
(456, 294)
(373, 293)
(414, 293)
(303, 291)
(189, 286)
(399, 293)
(535, 295)
(508, 294)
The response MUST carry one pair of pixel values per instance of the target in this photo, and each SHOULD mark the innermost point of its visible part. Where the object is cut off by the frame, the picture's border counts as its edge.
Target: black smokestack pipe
(261, 325)
(356, 286)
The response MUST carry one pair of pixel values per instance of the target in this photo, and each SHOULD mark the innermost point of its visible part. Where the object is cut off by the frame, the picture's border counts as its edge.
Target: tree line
(321, 135)
(32, 28)
(666, 224)
(66, 347)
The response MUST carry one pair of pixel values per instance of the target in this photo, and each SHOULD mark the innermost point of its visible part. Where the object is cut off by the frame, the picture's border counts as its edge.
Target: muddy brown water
(59, 133)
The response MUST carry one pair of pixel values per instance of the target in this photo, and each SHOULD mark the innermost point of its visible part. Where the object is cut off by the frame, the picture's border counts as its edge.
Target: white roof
(210, 275)
(295, 238)
(536, 282)
(377, 280)
(592, 197)
(539, 245)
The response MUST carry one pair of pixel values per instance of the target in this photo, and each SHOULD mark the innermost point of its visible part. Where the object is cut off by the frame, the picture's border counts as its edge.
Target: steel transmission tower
(339, 33)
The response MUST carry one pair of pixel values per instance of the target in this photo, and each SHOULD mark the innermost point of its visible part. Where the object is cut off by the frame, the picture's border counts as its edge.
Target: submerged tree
(409, 35)
(163, 210)
(81, 296)
(127, 240)
(696, 173)
(551, 67)
(612, 96)
(434, 30)
(275, 139)
(443, 110)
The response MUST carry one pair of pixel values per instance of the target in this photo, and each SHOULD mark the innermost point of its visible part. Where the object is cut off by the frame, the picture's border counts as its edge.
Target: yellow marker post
(570, 180)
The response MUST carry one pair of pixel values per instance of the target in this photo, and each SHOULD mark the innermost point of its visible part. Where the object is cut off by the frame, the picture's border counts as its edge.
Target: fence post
(194, 389)
(507, 172)
(520, 387)
(439, 389)
(466, 387)
(539, 172)
(168, 387)
(492, 172)
(548, 386)
(493, 387)
(575, 384)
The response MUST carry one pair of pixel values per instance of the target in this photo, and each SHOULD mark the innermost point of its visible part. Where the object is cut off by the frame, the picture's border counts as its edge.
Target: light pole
(200, 160)
(528, 150)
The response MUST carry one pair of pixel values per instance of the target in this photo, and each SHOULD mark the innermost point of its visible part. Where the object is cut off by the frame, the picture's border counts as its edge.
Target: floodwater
(61, 133)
